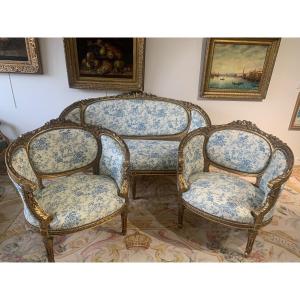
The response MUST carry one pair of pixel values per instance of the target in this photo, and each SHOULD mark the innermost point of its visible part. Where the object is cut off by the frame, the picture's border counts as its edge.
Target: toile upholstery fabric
(77, 200)
(61, 150)
(225, 196)
(238, 150)
(138, 117)
(153, 154)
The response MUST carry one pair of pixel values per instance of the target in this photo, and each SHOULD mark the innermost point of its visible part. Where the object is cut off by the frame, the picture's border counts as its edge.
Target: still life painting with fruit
(107, 63)
(109, 57)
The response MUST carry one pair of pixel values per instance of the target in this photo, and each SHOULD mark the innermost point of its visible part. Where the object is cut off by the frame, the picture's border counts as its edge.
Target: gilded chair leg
(124, 221)
(180, 214)
(133, 187)
(48, 242)
(252, 233)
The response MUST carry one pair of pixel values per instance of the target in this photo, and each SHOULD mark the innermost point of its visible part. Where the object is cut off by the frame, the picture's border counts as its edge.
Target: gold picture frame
(295, 120)
(20, 55)
(238, 68)
(105, 63)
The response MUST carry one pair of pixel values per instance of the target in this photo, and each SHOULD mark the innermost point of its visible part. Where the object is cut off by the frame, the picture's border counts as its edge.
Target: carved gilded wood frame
(274, 185)
(238, 94)
(293, 125)
(188, 106)
(102, 83)
(28, 187)
(32, 65)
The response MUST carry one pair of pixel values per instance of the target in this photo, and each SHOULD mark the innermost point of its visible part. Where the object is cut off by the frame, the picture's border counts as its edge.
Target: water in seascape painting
(237, 66)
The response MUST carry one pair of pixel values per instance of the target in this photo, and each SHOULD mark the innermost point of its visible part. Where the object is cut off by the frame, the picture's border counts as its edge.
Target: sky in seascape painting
(237, 66)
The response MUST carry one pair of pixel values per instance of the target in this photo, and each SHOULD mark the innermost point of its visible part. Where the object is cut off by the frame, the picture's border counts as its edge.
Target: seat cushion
(78, 200)
(153, 154)
(225, 196)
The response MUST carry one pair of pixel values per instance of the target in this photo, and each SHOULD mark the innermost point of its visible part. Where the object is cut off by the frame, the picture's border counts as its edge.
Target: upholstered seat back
(238, 150)
(138, 115)
(62, 150)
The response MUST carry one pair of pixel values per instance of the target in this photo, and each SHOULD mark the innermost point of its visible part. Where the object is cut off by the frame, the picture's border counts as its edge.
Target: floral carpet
(154, 214)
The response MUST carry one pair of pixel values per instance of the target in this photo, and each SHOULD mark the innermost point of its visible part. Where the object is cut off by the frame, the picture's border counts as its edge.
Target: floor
(154, 213)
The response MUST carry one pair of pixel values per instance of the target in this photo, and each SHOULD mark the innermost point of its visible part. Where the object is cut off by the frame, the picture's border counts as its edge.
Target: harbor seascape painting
(238, 68)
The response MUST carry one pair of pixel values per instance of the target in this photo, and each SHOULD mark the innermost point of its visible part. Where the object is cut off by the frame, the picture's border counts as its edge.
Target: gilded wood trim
(292, 125)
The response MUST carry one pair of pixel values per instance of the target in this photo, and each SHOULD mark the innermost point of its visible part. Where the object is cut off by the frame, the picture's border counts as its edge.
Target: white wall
(172, 69)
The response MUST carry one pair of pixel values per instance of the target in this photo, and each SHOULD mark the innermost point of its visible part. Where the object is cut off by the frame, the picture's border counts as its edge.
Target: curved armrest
(114, 160)
(191, 158)
(275, 186)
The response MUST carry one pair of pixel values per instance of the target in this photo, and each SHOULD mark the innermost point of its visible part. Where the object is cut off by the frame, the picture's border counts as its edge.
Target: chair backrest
(58, 148)
(242, 148)
(138, 114)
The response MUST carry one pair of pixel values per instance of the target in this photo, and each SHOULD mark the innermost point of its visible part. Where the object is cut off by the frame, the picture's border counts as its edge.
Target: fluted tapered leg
(251, 238)
(133, 187)
(124, 221)
(180, 214)
(48, 242)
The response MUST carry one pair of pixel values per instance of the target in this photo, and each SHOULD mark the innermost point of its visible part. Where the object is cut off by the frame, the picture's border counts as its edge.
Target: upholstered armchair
(239, 148)
(50, 169)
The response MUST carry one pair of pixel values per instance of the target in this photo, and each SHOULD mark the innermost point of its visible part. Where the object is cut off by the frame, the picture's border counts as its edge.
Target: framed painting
(20, 55)
(295, 121)
(238, 68)
(105, 63)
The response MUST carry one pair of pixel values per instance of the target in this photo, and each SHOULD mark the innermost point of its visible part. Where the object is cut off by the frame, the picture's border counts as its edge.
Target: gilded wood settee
(51, 169)
(151, 126)
(238, 148)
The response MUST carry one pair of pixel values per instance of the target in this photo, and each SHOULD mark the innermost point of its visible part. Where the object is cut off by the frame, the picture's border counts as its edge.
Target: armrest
(114, 160)
(191, 158)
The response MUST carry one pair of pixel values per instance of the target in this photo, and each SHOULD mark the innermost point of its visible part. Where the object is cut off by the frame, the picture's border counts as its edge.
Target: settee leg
(48, 242)
(180, 214)
(133, 186)
(124, 221)
(252, 233)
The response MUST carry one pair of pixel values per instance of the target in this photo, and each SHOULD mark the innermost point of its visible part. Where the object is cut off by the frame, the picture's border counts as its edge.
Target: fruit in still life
(101, 57)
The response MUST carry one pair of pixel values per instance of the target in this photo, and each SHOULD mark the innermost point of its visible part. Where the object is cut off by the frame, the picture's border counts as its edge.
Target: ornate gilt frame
(223, 94)
(84, 82)
(274, 185)
(296, 109)
(32, 65)
(188, 106)
(28, 187)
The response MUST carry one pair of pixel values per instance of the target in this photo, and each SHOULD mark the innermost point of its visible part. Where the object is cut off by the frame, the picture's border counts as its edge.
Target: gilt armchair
(50, 169)
(239, 148)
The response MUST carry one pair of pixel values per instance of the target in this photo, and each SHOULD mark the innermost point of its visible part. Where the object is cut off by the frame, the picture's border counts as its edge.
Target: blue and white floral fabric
(112, 159)
(238, 150)
(21, 164)
(197, 121)
(77, 200)
(225, 196)
(74, 115)
(61, 150)
(193, 156)
(276, 167)
(153, 154)
(138, 117)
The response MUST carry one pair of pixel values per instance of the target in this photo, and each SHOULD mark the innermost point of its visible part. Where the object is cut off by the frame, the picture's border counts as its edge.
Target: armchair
(71, 200)
(241, 148)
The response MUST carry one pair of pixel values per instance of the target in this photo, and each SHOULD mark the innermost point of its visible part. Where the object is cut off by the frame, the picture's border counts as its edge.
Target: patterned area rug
(154, 213)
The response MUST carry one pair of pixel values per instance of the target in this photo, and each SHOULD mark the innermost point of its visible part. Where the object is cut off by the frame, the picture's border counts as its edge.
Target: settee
(151, 126)
(51, 169)
(239, 148)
